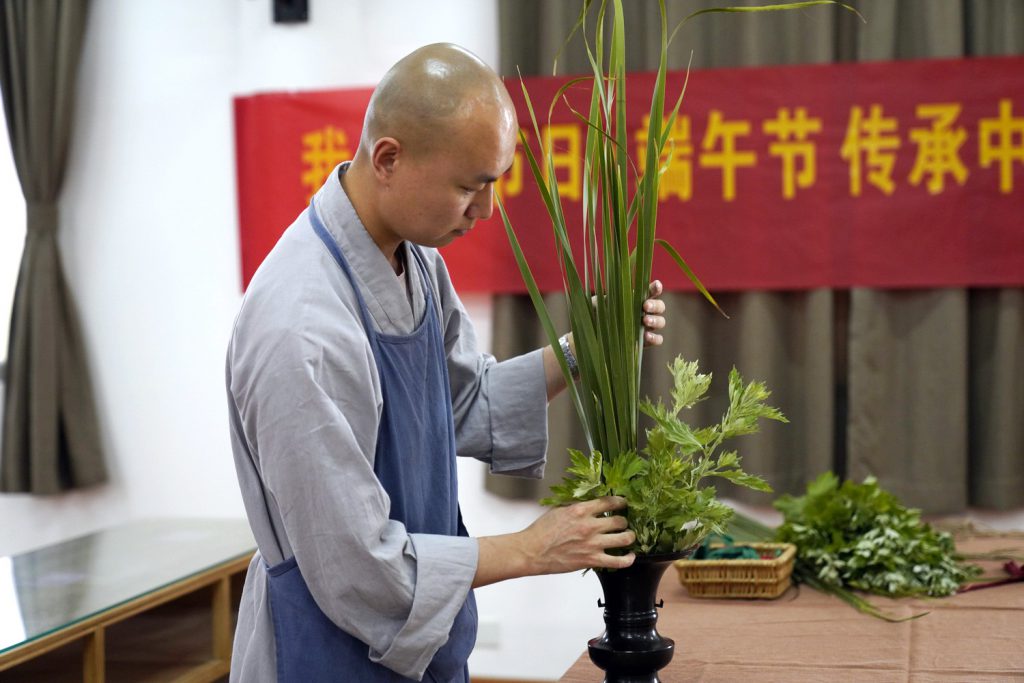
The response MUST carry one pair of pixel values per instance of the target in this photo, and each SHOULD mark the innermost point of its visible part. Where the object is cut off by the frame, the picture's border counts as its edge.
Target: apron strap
(332, 247)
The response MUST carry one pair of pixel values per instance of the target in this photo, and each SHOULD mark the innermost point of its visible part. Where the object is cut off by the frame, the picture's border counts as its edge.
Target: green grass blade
(689, 273)
(543, 314)
(560, 93)
(581, 19)
(764, 8)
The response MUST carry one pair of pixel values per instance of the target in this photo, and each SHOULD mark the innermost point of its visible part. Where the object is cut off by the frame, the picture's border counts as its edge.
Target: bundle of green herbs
(859, 536)
(668, 509)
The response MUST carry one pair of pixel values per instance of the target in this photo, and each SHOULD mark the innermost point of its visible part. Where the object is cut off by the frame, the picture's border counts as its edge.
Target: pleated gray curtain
(924, 389)
(50, 435)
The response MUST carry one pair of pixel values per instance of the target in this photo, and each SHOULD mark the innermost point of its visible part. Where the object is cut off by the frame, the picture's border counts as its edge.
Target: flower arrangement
(668, 509)
(605, 286)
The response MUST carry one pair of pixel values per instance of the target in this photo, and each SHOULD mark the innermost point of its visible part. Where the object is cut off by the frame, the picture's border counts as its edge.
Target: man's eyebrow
(485, 179)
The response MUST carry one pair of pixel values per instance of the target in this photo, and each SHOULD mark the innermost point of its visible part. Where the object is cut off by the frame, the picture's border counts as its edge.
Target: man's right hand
(563, 539)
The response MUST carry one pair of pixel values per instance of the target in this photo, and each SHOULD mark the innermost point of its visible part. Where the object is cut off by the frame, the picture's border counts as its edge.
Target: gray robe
(305, 402)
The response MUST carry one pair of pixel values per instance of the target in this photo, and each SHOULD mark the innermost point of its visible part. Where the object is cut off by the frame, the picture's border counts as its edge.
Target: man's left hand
(654, 315)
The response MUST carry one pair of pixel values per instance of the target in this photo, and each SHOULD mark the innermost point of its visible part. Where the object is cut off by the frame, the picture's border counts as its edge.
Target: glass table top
(44, 590)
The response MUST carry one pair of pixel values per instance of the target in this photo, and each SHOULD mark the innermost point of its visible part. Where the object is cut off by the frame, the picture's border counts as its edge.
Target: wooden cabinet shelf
(124, 618)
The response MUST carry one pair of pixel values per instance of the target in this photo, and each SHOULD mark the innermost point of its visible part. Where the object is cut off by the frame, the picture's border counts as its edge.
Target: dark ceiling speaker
(291, 11)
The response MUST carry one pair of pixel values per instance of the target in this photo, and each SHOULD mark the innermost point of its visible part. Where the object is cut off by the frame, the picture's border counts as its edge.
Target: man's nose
(482, 205)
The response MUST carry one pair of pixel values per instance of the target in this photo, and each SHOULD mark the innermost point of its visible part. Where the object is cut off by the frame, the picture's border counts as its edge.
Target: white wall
(149, 233)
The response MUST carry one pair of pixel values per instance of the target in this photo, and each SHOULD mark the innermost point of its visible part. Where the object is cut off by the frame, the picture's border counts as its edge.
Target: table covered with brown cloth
(807, 636)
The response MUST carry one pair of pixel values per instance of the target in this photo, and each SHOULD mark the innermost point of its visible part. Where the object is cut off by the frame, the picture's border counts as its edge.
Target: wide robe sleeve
(309, 417)
(500, 409)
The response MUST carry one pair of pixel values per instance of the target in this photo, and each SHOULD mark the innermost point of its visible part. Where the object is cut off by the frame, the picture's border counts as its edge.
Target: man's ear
(386, 153)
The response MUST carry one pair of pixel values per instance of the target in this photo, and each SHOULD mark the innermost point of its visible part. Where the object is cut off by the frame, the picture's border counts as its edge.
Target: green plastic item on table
(729, 551)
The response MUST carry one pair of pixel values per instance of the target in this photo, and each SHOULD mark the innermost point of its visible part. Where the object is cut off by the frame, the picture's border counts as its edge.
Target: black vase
(631, 650)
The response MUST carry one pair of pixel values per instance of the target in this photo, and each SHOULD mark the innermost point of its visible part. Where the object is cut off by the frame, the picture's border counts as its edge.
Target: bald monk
(354, 379)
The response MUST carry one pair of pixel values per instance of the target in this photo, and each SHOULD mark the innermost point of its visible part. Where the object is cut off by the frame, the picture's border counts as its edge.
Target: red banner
(884, 174)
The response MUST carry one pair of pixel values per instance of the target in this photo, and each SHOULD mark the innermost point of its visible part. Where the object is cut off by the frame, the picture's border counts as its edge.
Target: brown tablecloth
(806, 636)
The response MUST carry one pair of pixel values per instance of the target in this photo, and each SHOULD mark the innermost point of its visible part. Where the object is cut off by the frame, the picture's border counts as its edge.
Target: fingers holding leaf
(653, 314)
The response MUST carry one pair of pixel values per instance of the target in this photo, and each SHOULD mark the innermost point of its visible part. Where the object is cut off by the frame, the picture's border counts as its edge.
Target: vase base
(631, 666)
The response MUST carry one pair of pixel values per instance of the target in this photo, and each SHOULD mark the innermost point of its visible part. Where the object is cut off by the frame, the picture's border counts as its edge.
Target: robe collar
(384, 292)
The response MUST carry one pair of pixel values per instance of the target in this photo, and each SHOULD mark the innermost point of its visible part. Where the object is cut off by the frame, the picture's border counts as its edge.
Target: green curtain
(923, 389)
(50, 433)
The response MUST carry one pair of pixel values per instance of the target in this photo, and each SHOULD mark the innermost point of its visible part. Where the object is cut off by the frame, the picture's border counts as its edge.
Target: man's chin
(448, 237)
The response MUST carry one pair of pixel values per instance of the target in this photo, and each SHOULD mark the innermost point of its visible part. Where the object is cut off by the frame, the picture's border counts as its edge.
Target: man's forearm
(561, 540)
(553, 377)
(653, 320)
(500, 558)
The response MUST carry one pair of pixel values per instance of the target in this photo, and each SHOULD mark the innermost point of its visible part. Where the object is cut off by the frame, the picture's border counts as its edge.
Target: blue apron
(415, 462)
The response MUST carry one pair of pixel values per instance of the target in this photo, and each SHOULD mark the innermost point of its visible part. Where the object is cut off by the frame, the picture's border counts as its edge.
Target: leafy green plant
(607, 281)
(667, 507)
(859, 536)
(606, 285)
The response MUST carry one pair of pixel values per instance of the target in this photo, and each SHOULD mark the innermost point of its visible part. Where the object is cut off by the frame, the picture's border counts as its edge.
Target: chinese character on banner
(793, 145)
(729, 158)
(870, 142)
(563, 142)
(996, 143)
(938, 147)
(322, 150)
(676, 158)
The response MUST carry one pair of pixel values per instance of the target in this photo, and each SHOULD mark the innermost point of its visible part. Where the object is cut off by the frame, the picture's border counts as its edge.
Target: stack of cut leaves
(859, 536)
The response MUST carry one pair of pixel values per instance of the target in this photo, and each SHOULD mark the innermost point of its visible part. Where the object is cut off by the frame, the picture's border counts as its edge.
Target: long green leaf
(580, 23)
(542, 313)
(689, 273)
(764, 8)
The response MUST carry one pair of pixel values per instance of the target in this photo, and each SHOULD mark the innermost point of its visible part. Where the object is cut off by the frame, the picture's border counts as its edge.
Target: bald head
(439, 132)
(427, 95)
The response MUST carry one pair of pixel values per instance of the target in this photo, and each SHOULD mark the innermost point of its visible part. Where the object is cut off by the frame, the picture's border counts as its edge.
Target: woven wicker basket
(739, 578)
